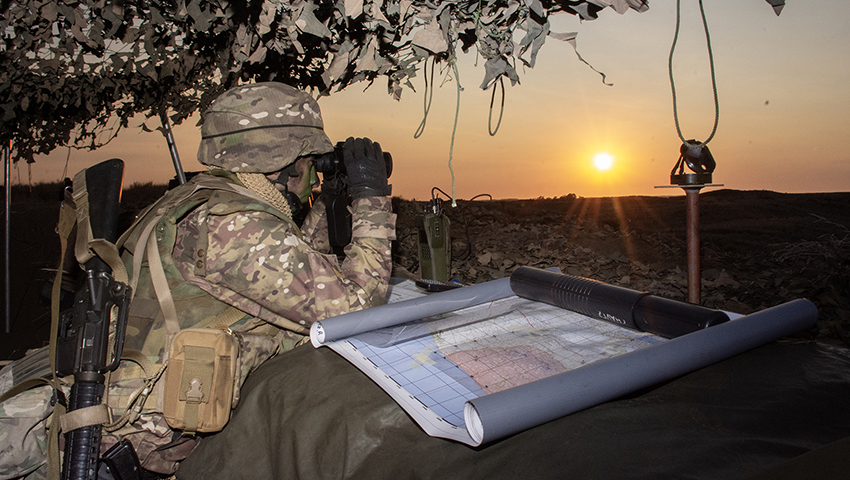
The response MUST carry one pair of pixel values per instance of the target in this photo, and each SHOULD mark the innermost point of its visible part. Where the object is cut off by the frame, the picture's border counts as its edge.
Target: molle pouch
(199, 380)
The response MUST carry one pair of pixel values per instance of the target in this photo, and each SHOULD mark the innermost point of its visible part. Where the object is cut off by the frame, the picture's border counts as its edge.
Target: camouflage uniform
(220, 249)
(268, 269)
(254, 261)
(23, 431)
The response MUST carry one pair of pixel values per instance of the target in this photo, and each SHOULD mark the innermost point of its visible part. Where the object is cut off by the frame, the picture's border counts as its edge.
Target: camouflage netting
(75, 71)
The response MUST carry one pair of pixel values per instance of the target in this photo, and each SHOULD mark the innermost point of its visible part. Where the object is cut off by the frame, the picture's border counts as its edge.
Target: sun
(603, 161)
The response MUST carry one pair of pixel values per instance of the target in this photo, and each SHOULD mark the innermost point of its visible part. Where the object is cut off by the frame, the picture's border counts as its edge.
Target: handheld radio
(435, 244)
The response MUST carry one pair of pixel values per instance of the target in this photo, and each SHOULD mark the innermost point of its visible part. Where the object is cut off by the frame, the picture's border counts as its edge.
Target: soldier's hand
(366, 167)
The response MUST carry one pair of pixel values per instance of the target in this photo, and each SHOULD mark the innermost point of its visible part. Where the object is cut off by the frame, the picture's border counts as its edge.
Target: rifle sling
(67, 220)
(24, 386)
(160, 285)
(108, 252)
(84, 417)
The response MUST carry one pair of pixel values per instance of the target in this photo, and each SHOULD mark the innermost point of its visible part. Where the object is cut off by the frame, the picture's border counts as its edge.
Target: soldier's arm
(368, 258)
(260, 265)
(315, 227)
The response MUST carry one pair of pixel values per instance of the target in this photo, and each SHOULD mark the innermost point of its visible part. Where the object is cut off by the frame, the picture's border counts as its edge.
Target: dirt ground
(758, 249)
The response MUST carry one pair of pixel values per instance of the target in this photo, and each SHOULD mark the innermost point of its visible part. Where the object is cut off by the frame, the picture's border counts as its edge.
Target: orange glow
(562, 115)
(603, 161)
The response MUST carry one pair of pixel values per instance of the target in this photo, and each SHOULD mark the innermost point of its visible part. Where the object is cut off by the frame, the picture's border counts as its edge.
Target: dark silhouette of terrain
(758, 248)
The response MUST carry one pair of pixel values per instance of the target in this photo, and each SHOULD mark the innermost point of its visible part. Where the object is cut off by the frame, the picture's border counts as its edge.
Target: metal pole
(172, 148)
(7, 160)
(692, 194)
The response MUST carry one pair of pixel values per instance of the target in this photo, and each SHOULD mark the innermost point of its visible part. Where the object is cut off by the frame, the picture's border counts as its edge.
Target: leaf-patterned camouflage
(261, 128)
(76, 72)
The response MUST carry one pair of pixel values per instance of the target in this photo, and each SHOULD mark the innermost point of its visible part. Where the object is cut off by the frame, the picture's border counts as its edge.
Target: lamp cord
(429, 95)
(713, 79)
(454, 127)
(490, 128)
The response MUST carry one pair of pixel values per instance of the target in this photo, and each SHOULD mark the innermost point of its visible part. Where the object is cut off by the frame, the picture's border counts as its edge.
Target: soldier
(232, 255)
(250, 254)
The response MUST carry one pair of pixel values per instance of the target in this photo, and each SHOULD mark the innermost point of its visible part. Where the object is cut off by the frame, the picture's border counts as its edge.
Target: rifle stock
(82, 344)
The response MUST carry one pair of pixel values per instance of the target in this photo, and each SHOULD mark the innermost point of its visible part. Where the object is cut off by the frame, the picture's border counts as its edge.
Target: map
(433, 366)
(478, 363)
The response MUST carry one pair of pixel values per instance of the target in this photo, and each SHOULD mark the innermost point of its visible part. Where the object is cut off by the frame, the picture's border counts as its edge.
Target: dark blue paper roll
(620, 306)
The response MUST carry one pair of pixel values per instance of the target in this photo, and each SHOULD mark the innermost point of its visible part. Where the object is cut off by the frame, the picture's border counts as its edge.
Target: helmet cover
(261, 128)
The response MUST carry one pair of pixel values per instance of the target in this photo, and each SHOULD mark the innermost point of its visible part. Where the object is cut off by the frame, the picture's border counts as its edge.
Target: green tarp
(309, 414)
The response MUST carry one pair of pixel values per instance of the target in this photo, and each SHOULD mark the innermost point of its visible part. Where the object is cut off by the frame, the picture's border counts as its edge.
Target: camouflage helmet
(261, 128)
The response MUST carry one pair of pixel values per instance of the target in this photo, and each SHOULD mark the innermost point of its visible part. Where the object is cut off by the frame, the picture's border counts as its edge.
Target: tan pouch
(199, 379)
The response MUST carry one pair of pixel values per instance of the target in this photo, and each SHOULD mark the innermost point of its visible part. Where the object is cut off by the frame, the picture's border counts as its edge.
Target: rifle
(83, 347)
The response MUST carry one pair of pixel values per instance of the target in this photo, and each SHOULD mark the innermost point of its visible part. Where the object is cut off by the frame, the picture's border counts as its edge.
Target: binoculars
(333, 163)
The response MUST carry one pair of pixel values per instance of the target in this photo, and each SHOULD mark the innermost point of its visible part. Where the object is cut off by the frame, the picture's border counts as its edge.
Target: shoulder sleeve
(368, 258)
(263, 266)
(315, 227)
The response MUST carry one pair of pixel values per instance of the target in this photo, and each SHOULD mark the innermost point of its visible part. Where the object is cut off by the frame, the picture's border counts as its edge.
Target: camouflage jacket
(274, 271)
(221, 249)
(234, 250)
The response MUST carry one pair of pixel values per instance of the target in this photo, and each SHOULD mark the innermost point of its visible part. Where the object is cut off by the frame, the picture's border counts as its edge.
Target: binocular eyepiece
(333, 163)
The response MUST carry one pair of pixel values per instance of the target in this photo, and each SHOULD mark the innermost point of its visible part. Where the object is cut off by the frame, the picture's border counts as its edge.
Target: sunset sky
(783, 85)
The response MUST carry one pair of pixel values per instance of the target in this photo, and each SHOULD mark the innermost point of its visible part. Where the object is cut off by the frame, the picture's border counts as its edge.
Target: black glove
(366, 168)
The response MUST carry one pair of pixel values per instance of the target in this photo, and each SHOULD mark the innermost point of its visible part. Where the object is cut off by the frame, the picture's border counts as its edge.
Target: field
(758, 248)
